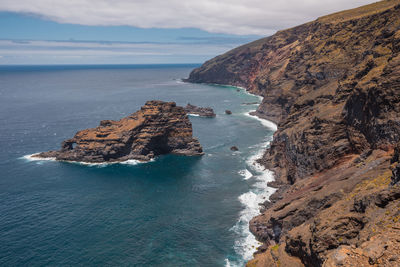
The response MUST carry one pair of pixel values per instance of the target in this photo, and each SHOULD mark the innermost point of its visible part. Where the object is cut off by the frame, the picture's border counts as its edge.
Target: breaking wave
(32, 157)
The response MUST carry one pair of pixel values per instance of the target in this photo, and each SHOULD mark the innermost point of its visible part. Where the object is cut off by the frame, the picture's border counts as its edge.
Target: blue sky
(28, 39)
(143, 32)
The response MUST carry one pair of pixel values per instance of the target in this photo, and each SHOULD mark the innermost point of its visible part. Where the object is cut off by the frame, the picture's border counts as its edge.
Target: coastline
(260, 192)
(256, 174)
(336, 152)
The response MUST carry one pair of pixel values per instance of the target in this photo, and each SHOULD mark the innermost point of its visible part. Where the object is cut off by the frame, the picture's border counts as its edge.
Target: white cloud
(261, 17)
(111, 48)
(41, 52)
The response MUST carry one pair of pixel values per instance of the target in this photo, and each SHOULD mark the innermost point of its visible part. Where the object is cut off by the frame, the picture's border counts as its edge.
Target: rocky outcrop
(396, 165)
(234, 148)
(157, 128)
(202, 112)
(333, 88)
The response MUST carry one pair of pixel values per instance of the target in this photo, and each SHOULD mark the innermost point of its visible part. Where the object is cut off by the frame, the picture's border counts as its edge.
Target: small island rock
(157, 128)
(228, 112)
(202, 112)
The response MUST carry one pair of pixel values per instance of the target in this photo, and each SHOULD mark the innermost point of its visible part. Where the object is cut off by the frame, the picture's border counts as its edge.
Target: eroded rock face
(202, 112)
(331, 85)
(157, 128)
(333, 88)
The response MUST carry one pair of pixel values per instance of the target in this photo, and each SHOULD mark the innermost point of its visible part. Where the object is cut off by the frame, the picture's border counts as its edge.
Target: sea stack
(202, 112)
(157, 128)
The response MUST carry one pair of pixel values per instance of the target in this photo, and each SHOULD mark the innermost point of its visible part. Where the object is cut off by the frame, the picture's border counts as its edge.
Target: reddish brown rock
(157, 128)
(333, 88)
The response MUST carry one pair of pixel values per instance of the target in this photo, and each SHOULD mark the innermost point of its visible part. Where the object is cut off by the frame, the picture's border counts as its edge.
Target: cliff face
(333, 88)
(157, 128)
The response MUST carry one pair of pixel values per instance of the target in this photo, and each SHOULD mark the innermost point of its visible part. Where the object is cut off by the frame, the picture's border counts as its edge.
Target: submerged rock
(202, 112)
(234, 148)
(250, 103)
(157, 128)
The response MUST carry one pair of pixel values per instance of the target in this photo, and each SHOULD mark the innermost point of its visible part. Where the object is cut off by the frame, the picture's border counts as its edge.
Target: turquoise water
(174, 211)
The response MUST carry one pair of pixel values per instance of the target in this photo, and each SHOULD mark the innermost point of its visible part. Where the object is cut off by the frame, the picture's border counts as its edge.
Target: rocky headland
(157, 128)
(333, 88)
(202, 112)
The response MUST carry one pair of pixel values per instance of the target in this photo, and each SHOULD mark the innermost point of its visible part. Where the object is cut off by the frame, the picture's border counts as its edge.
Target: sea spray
(33, 157)
(264, 122)
(246, 174)
(247, 244)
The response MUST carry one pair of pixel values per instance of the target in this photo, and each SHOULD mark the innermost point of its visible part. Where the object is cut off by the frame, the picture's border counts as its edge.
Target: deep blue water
(174, 211)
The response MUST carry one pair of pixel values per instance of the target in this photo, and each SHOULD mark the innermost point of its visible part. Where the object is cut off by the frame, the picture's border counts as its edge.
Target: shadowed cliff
(333, 88)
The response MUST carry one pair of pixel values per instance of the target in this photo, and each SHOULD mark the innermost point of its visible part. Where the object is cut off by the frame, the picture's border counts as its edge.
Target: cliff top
(359, 12)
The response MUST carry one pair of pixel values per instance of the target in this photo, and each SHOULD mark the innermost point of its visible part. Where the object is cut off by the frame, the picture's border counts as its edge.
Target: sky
(144, 32)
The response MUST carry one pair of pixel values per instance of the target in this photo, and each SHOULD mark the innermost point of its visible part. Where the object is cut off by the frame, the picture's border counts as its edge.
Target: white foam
(133, 162)
(246, 174)
(193, 115)
(246, 244)
(248, 93)
(32, 157)
(89, 164)
(264, 122)
(250, 104)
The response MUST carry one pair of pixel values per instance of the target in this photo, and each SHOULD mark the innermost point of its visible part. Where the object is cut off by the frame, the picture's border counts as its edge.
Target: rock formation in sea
(202, 112)
(333, 88)
(157, 128)
(234, 148)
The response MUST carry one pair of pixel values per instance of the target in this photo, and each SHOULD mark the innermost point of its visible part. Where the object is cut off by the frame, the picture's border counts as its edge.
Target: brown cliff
(157, 128)
(333, 88)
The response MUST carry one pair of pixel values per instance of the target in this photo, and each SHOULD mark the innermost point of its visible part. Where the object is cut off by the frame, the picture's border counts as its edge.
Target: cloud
(81, 52)
(260, 17)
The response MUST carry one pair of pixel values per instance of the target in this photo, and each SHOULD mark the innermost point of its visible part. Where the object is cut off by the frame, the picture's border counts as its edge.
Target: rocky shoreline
(333, 88)
(157, 128)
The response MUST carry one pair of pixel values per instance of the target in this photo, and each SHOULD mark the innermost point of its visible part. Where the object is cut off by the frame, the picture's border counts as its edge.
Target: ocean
(173, 211)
